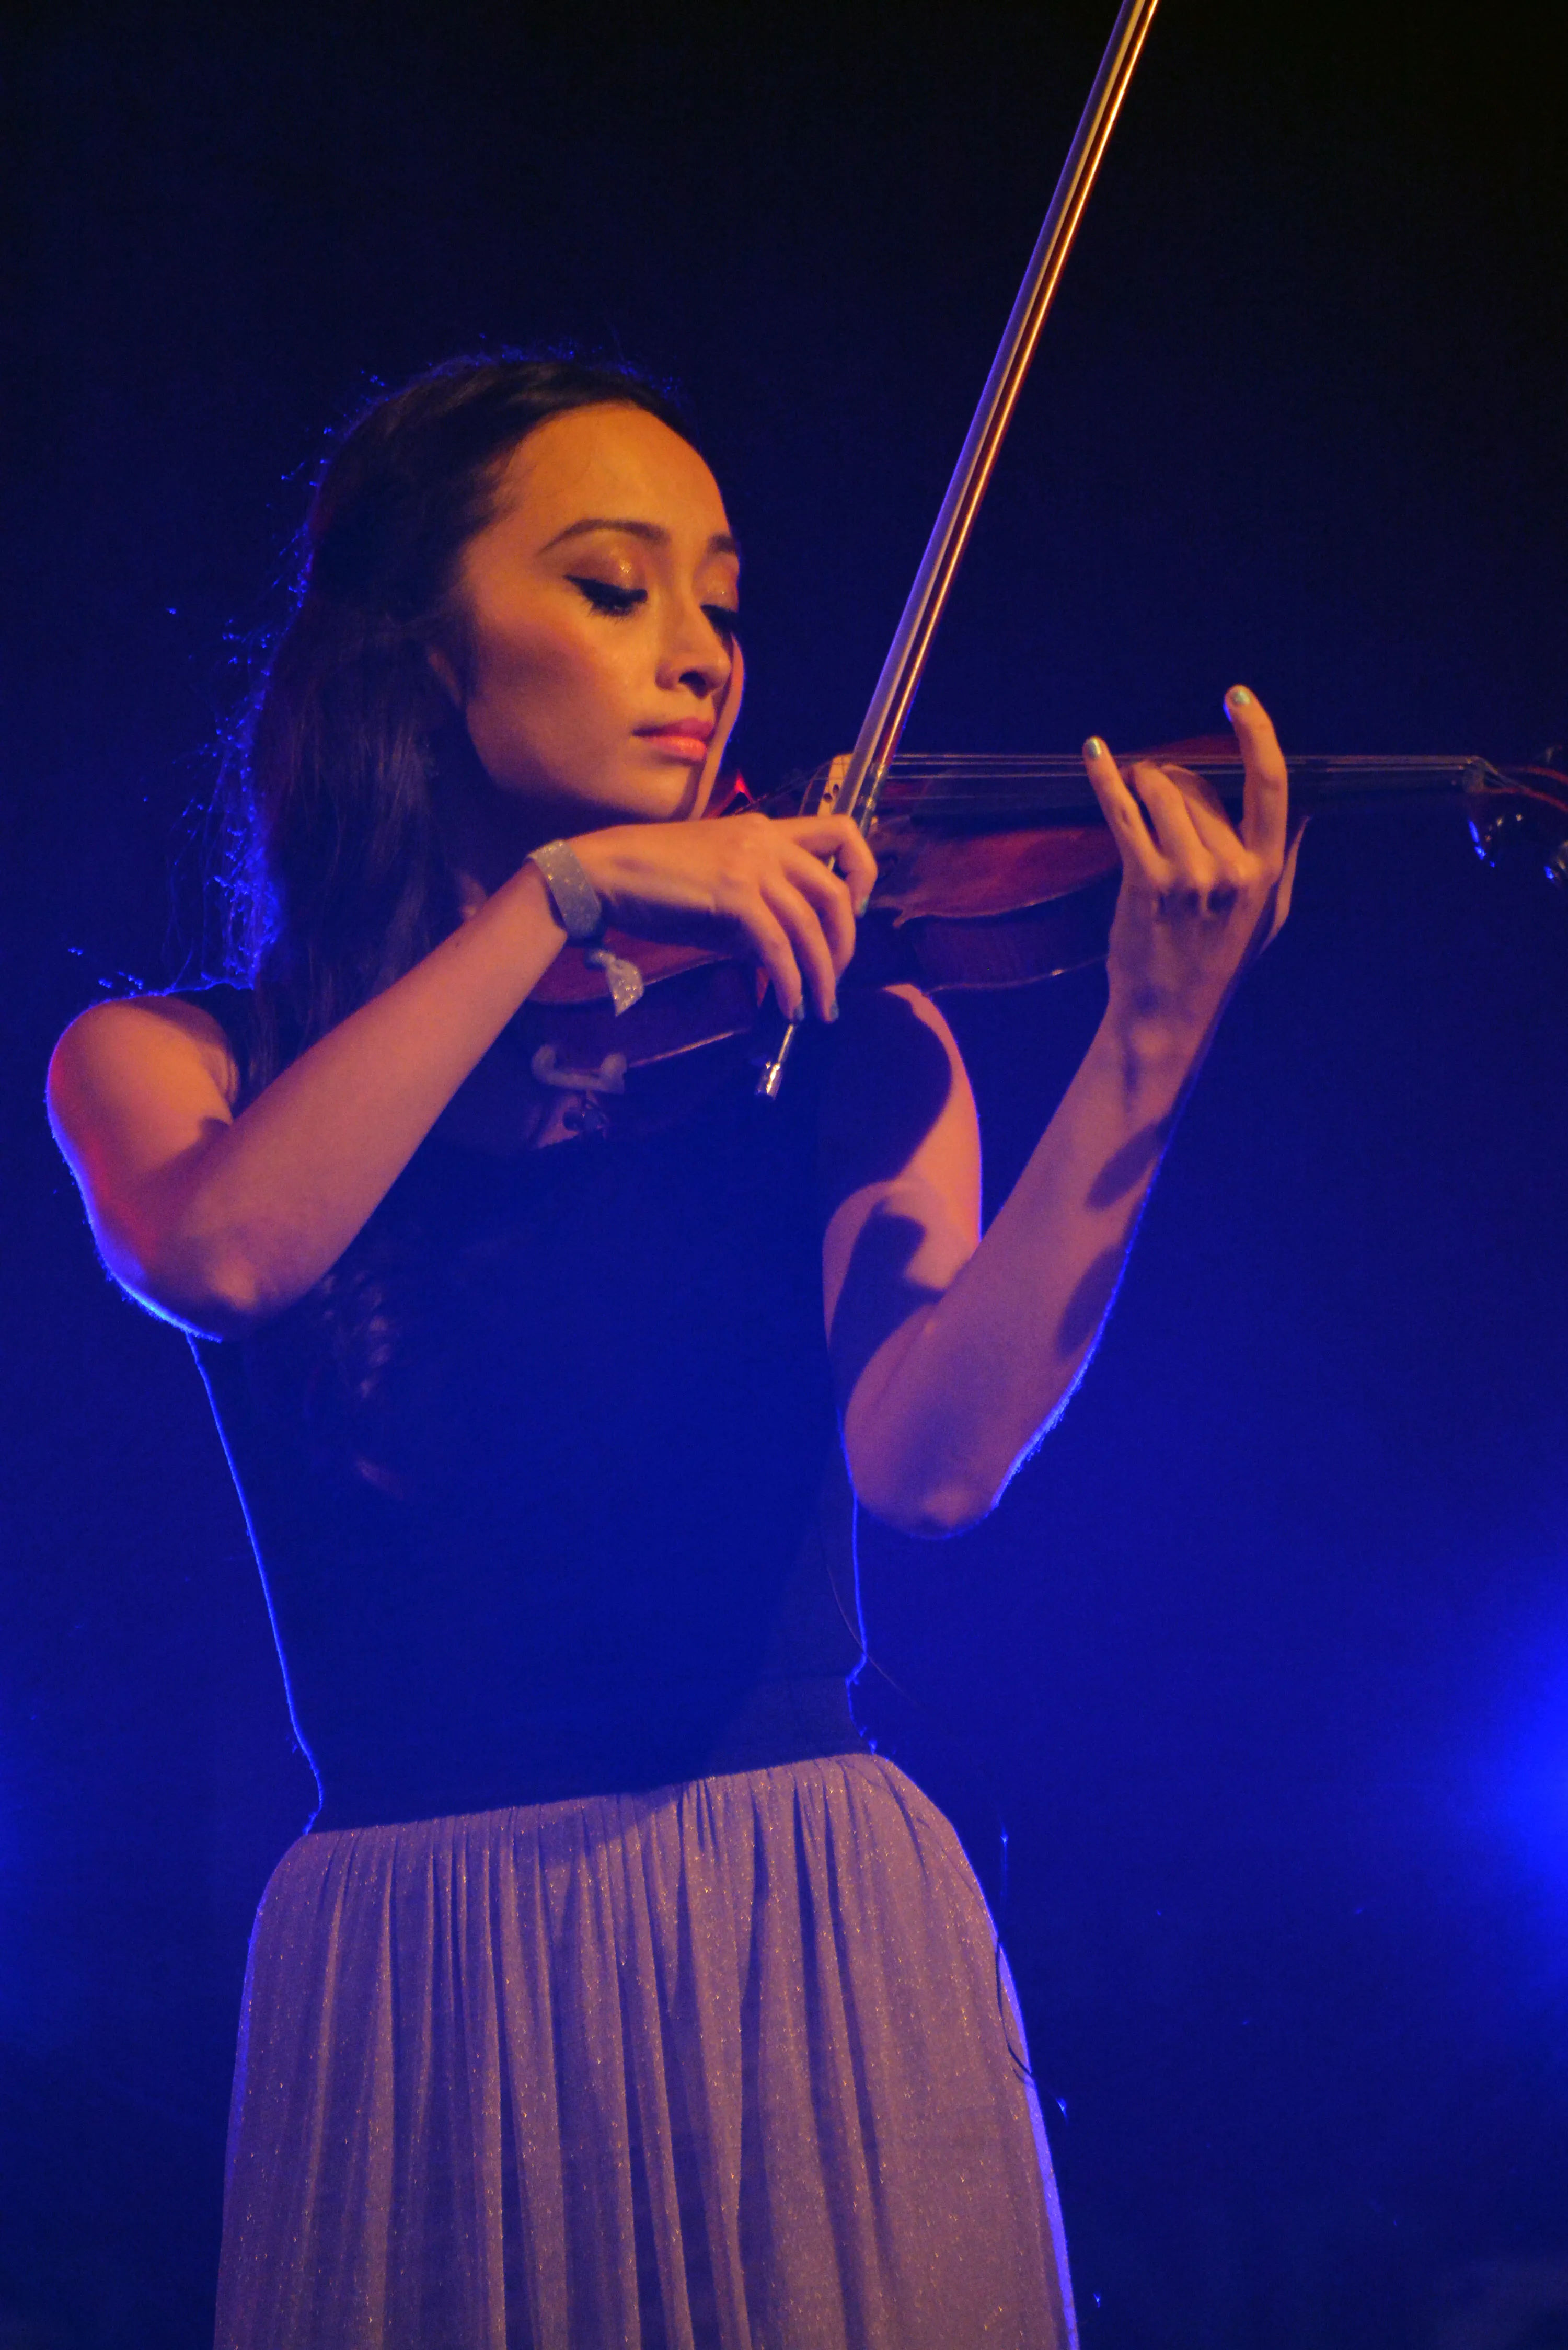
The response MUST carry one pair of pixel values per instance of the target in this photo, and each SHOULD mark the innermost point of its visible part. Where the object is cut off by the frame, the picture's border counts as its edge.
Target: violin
(999, 870)
(993, 871)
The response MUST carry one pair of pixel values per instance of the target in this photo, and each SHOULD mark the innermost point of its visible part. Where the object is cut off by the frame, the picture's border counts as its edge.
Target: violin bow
(853, 790)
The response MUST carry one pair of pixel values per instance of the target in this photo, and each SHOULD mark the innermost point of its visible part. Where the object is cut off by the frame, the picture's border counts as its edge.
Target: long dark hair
(337, 881)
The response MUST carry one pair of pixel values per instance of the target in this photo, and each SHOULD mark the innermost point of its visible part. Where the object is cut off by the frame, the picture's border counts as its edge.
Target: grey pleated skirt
(733, 2065)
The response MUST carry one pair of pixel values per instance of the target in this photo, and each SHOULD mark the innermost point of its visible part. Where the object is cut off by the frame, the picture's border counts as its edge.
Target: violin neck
(935, 788)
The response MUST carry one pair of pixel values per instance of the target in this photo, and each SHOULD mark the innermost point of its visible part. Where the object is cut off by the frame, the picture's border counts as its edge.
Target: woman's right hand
(755, 885)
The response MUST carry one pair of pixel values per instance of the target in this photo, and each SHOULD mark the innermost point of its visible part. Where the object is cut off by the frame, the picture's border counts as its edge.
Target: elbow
(926, 1509)
(215, 1295)
(915, 1485)
(943, 1512)
(228, 1305)
(227, 1299)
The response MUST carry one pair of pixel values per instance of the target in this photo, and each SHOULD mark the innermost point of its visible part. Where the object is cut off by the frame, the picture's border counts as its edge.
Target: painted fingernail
(798, 1014)
(1238, 699)
(1093, 748)
(860, 909)
(832, 1011)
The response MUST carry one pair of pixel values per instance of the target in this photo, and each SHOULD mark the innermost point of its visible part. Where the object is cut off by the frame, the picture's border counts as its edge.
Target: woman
(617, 1995)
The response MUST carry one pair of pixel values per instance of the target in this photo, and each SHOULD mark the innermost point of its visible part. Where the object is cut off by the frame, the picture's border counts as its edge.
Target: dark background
(1264, 1661)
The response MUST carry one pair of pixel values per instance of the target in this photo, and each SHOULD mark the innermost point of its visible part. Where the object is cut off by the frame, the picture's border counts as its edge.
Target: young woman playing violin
(617, 1995)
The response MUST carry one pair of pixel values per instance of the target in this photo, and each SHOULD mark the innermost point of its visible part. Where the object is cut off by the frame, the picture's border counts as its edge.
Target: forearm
(250, 1218)
(957, 1395)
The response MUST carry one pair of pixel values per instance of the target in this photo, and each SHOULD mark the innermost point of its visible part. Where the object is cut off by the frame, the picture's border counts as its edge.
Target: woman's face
(599, 611)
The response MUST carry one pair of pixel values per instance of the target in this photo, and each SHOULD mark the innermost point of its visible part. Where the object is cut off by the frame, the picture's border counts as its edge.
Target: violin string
(964, 787)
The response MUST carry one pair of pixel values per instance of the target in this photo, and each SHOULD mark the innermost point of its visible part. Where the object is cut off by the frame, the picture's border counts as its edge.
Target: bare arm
(219, 1221)
(954, 1354)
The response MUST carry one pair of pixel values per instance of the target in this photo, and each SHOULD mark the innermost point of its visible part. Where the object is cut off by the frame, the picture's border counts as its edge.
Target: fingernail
(1238, 699)
(832, 1011)
(1093, 748)
(860, 909)
(798, 1014)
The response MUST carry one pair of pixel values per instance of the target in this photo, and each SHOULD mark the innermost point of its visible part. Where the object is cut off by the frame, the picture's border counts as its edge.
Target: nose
(694, 654)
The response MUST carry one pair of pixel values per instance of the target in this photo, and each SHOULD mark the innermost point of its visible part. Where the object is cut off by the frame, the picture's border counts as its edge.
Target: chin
(661, 797)
(582, 805)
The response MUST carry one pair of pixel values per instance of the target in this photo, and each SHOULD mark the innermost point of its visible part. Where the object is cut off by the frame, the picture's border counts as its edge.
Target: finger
(1121, 811)
(770, 943)
(1265, 810)
(1170, 821)
(828, 896)
(1286, 890)
(729, 710)
(808, 943)
(1209, 821)
(841, 838)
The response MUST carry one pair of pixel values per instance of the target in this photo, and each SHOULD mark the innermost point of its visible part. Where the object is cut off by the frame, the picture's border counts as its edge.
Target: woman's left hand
(1199, 898)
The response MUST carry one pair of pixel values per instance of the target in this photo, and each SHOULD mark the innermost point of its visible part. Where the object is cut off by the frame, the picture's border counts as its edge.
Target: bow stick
(854, 794)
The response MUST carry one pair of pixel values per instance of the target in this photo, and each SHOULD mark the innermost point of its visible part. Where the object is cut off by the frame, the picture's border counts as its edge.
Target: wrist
(581, 913)
(573, 895)
(1156, 1049)
(528, 894)
(593, 853)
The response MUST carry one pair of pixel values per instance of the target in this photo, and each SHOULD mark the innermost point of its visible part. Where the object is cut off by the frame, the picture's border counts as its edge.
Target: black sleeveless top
(544, 1478)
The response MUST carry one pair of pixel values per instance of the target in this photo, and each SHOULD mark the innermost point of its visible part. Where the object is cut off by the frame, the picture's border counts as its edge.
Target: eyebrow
(721, 543)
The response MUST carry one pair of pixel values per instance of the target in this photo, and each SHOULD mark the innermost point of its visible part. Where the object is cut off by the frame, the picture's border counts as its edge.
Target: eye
(604, 598)
(724, 619)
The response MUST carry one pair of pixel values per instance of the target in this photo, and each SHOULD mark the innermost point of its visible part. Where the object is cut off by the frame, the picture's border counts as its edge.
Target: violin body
(993, 872)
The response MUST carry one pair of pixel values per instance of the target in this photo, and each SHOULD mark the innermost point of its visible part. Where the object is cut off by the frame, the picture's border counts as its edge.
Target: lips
(685, 738)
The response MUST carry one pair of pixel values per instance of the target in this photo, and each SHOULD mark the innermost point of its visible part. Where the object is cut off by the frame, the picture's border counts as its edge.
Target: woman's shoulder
(141, 1039)
(219, 1005)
